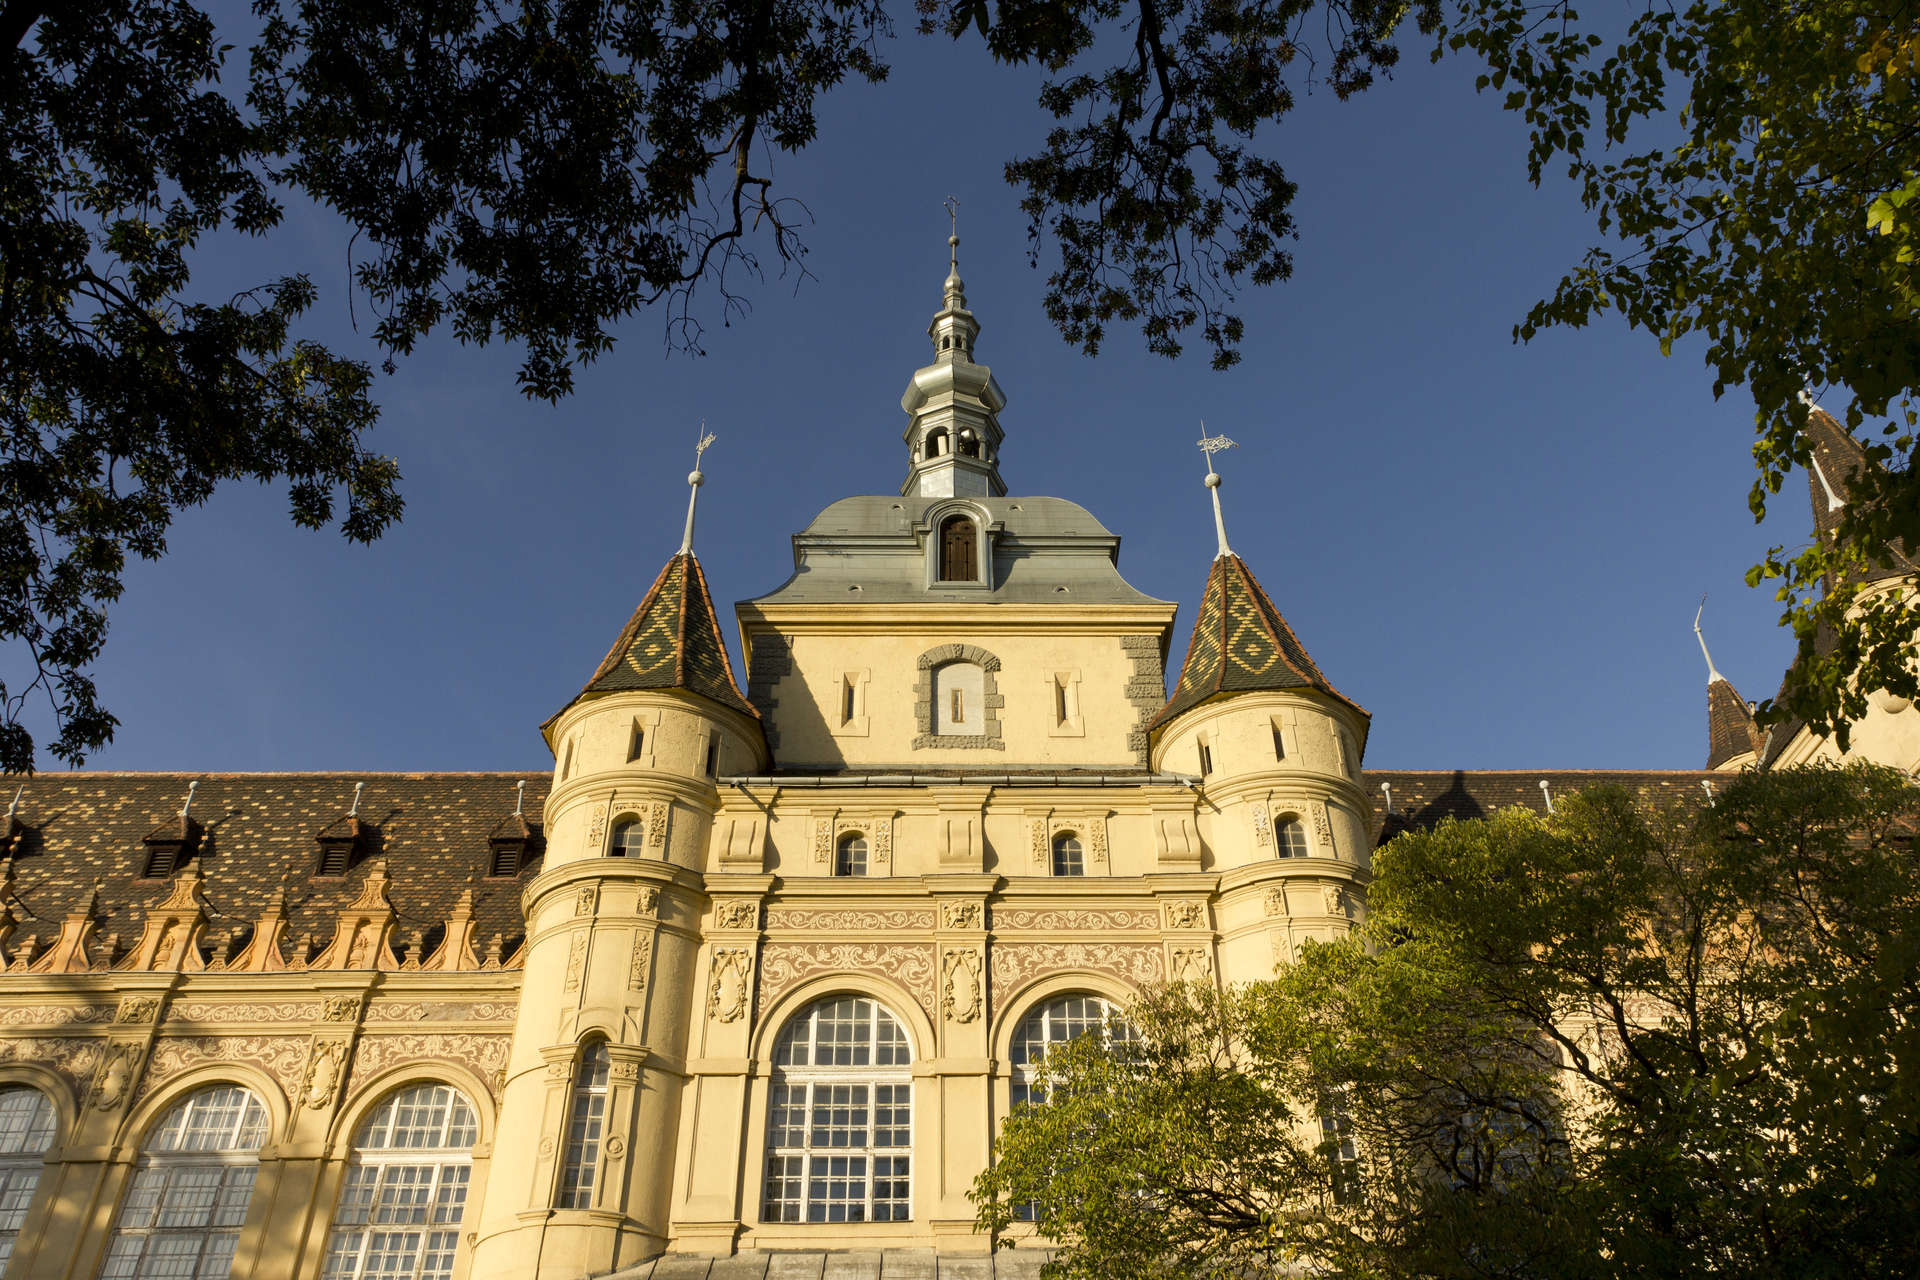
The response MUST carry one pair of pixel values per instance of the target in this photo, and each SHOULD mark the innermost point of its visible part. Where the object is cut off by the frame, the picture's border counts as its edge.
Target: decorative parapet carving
(961, 915)
(850, 921)
(785, 964)
(1077, 920)
(363, 939)
(960, 995)
(1015, 963)
(731, 985)
(740, 913)
(326, 1065)
(69, 952)
(455, 953)
(1186, 915)
(172, 934)
(1192, 964)
(263, 949)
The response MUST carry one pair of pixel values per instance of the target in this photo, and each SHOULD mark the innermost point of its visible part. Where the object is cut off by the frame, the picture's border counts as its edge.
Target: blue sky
(1496, 549)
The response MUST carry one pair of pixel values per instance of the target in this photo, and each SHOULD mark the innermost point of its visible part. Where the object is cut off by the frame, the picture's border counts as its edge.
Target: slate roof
(1241, 643)
(672, 642)
(431, 829)
(1424, 797)
(1731, 731)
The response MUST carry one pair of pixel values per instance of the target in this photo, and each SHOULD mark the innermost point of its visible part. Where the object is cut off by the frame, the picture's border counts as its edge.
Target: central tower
(953, 427)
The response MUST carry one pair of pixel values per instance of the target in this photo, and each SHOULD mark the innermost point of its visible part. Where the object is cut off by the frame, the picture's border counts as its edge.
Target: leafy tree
(1598, 1043)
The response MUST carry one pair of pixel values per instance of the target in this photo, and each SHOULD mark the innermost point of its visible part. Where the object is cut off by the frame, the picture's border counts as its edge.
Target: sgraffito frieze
(1015, 963)
(282, 1057)
(785, 964)
(1074, 919)
(483, 1053)
(52, 1015)
(849, 921)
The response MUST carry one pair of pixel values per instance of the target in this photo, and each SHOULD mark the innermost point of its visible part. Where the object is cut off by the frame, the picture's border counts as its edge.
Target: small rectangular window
(1060, 712)
(846, 699)
(1279, 743)
(637, 744)
(713, 756)
(566, 762)
(959, 712)
(1206, 760)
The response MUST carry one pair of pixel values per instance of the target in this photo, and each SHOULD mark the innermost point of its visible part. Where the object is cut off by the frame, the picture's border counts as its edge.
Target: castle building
(743, 990)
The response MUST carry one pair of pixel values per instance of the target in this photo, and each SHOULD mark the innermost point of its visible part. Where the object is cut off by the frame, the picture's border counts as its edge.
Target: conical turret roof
(1731, 732)
(672, 642)
(1241, 644)
(1833, 480)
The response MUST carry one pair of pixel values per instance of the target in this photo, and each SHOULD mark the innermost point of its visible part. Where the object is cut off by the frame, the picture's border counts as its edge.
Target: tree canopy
(1602, 1042)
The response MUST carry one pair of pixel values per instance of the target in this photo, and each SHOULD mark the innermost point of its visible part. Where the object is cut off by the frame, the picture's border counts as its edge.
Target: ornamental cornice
(958, 619)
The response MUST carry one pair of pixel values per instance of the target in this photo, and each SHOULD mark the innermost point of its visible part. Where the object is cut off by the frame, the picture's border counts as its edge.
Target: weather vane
(1211, 445)
(694, 481)
(952, 204)
(706, 438)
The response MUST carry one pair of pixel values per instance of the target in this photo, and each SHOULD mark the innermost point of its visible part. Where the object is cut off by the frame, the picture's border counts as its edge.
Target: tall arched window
(959, 559)
(586, 1128)
(406, 1188)
(850, 858)
(1068, 860)
(1056, 1021)
(1289, 839)
(627, 838)
(840, 1127)
(26, 1131)
(183, 1212)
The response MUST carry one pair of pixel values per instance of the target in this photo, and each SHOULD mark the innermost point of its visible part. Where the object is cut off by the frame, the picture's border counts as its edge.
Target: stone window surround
(986, 531)
(991, 701)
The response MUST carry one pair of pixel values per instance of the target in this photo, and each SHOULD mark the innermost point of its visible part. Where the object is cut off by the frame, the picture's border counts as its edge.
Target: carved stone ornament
(626, 1072)
(961, 915)
(1016, 963)
(1039, 842)
(1323, 828)
(596, 832)
(616, 1147)
(657, 825)
(741, 913)
(1333, 900)
(1183, 915)
(647, 899)
(1276, 901)
(137, 1009)
(546, 1148)
(340, 1009)
(1262, 826)
(586, 900)
(882, 844)
(483, 1053)
(960, 985)
(642, 961)
(823, 841)
(731, 984)
(324, 1069)
(577, 960)
(1192, 964)
(849, 921)
(1097, 841)
(559, 1072)
(115, 1078)
(911, 965)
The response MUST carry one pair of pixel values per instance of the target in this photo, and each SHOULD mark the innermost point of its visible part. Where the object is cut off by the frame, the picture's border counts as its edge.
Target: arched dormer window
(1289, 839)
(629, 834)
(850, 855)
(1068, 859)
(959, 550)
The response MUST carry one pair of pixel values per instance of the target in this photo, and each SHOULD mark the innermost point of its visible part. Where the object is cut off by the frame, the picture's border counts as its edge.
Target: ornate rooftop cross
(1211, 445)
(694, 481)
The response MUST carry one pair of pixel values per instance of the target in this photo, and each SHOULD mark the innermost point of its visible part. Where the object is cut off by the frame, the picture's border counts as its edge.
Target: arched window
(628, 836)
(586, 1127)
(1067, 857)
(959, 561)
(1054, 1022)
(1289, 839)
(26, 1131)
(850, 859)
(840, 1127)
(183, 1212)
(406, 1189)
(936, 443)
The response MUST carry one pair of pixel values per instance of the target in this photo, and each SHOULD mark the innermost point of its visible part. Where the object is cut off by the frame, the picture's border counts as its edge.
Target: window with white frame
(406, 1190)
(840, 1120)
(850, 857)
(627, 841)
(586, 1128)
(1290, 839)
(1337, 1145)
(26, 1131)
(1056, 1021)
(1068, 858)
(188, 1198)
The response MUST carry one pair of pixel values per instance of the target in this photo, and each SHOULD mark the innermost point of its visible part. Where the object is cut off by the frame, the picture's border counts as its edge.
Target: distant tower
(580, 1182)
(953, 431)
(1734, 741)
(1277, 749)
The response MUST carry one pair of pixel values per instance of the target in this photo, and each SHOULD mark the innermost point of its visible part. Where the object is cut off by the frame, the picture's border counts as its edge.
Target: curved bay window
(1068, 859)
(959, 550)
(840, 1123)
(850, 856)
(628, 836)
(183, 1212)
(26, 1131)
(1289, 839)
(406, 1188)
(586, 1128)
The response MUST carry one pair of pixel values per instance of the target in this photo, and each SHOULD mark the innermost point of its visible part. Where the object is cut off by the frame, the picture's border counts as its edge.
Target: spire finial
(956, 297)
(1211, 445)
(1713, 673)
(694, 481)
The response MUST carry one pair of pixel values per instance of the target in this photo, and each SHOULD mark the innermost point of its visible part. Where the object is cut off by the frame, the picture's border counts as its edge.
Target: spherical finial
(1213, 480)
(954, 241)
(695, 479)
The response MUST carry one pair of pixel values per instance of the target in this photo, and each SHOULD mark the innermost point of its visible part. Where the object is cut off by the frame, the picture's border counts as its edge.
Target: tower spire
(1211, 445)
(1713, 672)
(953, 405)
(694, 481)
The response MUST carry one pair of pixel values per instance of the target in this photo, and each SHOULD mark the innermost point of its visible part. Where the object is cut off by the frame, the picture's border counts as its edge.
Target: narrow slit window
(636, 744)
(1279, 743)
(1206, 759)
(957, 712)
(1060, 713)
(566, 763)
(713, 756)
(847, 689)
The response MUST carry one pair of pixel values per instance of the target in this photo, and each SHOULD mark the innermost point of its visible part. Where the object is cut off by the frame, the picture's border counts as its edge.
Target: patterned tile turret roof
(1241, 643)
(672, 642)
(1731, 732)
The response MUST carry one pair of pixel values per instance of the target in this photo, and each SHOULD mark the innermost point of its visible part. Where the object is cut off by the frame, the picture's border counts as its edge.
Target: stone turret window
(184, 1209)
(406, 1188)
(629, 834)
(1290, 839)
(1068, 859)
(586, 1127)
(26, 1131)
(850, 858)
(959, 550)
(840, 1127)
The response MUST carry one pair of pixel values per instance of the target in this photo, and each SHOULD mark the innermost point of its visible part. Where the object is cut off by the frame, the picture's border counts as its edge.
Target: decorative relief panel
(1040, 845)
(1185, 915)
(1276, 901)
(784, 964)
(823, 841)
(849, 921)
(1016, 962)
(961, 915)
(340, 1008)
(1097, 843)
(72, 1059)
(118, 1073)
(326, 1064)
(44, 1015)
(642, 961)
(731, 985)
(597, 833)
(1074, 919)
(1322, 828)
(648, 899)
(586, 900)
(441, 1011)
(883, 845)
(577, 959)
(135, 1009)
(1333, 900)
(484, 1053)
(657, 825)
(211, 1011)
(1192, 964)
(1262, 825)
(282, 1057)
(960, 996)
(741, 913)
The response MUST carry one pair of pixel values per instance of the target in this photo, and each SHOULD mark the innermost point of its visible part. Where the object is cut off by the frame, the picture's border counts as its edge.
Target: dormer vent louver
(345, 842)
